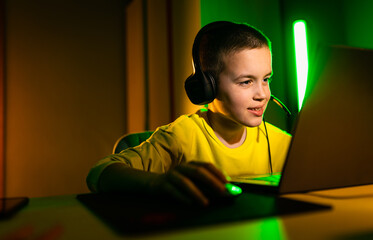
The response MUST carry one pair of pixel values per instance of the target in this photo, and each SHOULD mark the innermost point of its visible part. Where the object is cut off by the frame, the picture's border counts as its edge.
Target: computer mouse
(232, 192)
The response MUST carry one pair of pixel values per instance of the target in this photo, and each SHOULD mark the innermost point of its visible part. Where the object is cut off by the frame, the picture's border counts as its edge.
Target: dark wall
(64, 92)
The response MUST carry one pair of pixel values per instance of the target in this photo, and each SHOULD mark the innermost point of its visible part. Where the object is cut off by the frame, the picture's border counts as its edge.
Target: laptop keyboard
(272, 178)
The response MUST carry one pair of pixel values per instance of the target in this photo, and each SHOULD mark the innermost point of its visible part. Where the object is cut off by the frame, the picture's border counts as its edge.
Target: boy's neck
(230, 133)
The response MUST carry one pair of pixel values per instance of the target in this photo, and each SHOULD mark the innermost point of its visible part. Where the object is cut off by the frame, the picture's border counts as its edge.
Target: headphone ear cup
(200, 88)
(210, 87)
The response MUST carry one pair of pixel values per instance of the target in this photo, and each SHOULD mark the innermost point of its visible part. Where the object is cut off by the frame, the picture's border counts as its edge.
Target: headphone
(201, 86)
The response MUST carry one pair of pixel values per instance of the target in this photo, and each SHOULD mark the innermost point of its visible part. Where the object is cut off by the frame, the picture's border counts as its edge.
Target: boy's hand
(188, 183)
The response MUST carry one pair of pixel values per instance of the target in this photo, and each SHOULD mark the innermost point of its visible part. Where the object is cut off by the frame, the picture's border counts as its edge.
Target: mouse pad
(143, 215)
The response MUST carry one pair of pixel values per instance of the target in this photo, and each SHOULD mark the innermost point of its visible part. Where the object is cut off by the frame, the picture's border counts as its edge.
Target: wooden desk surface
(64, 217)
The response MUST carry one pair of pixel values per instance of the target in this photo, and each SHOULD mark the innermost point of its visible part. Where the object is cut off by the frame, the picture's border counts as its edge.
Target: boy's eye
(269, 80)
(247, 82)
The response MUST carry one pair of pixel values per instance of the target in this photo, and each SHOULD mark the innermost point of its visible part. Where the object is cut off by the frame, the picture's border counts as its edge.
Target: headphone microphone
(281, 105)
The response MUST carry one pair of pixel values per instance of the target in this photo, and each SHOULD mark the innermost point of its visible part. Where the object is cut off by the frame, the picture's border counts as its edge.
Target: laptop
(332, 145)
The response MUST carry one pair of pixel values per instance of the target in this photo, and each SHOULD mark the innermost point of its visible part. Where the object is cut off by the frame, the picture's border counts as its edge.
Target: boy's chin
(254, 122)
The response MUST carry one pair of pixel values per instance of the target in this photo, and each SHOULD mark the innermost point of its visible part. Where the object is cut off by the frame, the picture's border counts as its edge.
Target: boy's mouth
(258, 111)
(255, 109)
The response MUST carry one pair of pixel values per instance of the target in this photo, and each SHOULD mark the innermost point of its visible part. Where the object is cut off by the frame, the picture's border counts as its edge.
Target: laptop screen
(331, 146)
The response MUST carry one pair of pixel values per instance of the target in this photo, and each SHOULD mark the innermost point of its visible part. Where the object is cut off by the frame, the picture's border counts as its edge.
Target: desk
(66, 218)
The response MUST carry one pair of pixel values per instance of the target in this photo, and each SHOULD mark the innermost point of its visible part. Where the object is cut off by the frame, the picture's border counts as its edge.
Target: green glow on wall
(301, 58)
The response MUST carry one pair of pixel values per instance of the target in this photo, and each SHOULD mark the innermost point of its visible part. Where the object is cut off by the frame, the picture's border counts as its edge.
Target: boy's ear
(200, 88)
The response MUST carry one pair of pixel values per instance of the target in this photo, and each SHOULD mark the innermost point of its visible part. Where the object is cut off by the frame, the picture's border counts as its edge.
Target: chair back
(130, 140)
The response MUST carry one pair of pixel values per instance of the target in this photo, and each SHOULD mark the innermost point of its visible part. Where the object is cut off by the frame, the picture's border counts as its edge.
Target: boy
(186, 159)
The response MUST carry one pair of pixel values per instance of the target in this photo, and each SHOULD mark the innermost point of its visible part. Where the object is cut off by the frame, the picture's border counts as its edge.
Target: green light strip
(301, 56)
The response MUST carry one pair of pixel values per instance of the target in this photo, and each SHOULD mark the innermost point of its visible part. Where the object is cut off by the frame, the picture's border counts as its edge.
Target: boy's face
(243, 86)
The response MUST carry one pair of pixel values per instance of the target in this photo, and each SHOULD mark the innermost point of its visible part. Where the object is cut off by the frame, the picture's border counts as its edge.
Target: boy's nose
(260, 93)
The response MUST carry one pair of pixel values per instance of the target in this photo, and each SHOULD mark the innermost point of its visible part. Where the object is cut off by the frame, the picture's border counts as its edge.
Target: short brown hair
(226, 39)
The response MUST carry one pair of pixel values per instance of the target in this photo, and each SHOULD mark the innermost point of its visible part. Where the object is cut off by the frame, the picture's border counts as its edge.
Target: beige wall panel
(64, 95)
(135, 67)
(187, 22)
(159, 91)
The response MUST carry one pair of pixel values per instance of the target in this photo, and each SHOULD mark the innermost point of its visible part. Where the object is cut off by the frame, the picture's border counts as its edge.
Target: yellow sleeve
(157, 154)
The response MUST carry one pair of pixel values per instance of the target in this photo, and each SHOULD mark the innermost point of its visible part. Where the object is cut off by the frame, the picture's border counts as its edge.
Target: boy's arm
(183, 183)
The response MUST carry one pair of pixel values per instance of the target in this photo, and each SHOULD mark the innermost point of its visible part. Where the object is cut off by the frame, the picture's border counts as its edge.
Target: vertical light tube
(301, 57)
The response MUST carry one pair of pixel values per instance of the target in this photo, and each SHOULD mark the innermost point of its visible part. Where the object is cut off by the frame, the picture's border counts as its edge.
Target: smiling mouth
(255, 109)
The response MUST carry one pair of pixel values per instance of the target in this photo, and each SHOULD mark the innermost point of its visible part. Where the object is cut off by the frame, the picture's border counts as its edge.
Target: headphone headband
(197, 40)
